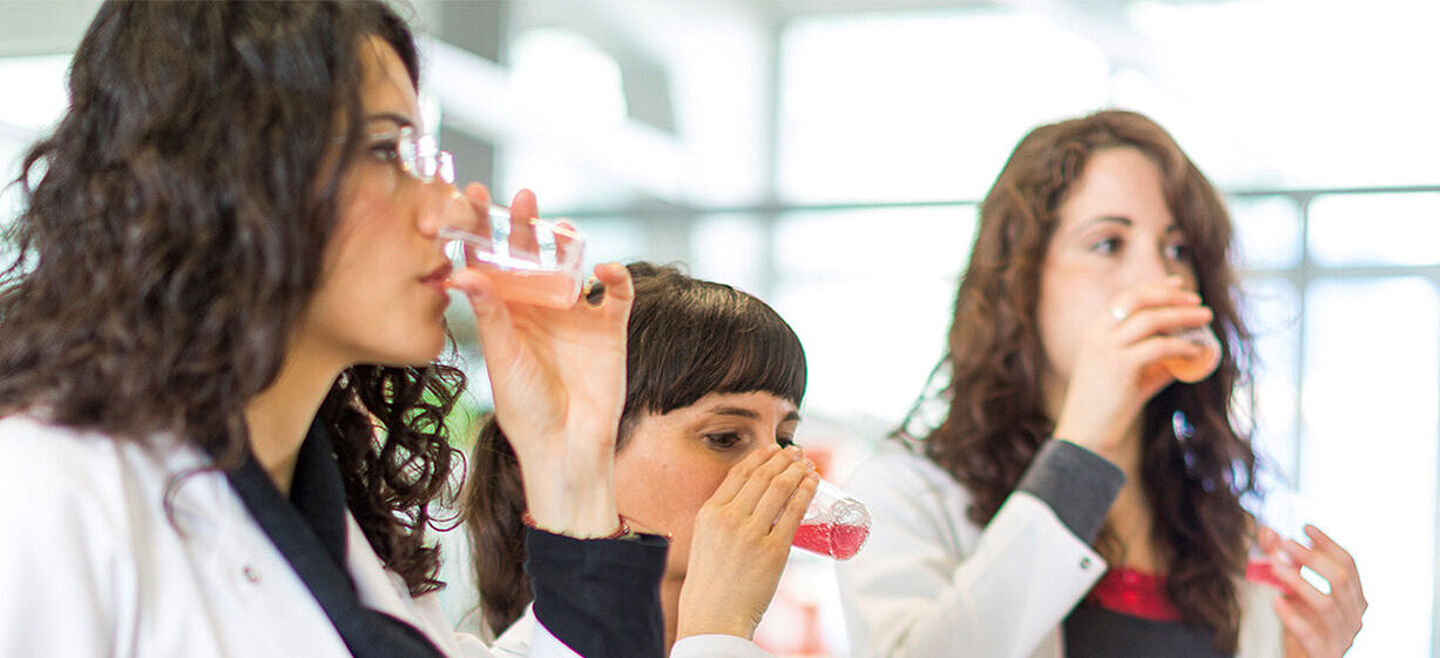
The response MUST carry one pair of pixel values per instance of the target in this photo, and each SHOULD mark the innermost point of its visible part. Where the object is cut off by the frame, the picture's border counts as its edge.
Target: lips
(438, 276)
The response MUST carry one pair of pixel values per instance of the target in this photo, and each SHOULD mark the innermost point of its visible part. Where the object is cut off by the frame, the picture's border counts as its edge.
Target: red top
(1134, 593)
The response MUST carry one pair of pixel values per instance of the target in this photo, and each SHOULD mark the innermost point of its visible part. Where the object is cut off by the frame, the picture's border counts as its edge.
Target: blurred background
(826, 155)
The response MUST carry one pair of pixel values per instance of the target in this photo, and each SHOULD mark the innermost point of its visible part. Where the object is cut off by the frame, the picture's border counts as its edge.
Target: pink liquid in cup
(835, 525)
(547, 273)
(548, 289)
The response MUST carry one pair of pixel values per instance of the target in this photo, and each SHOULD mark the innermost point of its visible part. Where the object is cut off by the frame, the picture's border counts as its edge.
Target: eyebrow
(395, 117)
(742, 412)
(1127, 222)
(1116, 219)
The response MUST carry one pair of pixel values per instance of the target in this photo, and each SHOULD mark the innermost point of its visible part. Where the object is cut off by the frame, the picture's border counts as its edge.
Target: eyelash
(1108, 245)
(1111, 245)
(729, 440)
(385, 151)
(724, 440)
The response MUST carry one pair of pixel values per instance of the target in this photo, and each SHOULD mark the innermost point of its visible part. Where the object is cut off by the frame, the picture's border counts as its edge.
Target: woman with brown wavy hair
(223, 418)
(1077, 499)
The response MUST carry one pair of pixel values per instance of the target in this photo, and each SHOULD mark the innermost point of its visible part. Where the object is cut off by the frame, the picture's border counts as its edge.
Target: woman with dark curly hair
(223, 421)
(1077, 498)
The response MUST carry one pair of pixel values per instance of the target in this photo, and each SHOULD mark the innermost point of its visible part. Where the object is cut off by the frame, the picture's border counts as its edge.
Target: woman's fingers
(755, 486)
(619, 290)
(1325, 624)
(1301, 627)
(1158, 348)
(794, 512)
(1169, 291)
(479, 198)
(740, 474)
(781, 490)
(1337, 567)
(523, 209)
(1268, 539)
(1160, 320)
(1323, 607)
(492, 319)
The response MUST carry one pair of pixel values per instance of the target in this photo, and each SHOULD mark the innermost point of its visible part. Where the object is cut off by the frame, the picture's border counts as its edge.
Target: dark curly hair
(172, 235)
(686, 338)
(996, 419)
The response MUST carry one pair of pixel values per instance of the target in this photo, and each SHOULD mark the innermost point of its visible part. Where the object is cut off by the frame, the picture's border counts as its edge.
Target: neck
(280, 416)
(1131, 517)
(670, 606)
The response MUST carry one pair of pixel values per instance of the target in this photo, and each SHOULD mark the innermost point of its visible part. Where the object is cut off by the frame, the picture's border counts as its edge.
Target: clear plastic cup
(1285, 513)
(835, 525)
(533, 261)
(1200, 367)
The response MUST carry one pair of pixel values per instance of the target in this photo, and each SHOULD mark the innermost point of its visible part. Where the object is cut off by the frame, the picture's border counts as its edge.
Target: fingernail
(796, 452)
(771, 449)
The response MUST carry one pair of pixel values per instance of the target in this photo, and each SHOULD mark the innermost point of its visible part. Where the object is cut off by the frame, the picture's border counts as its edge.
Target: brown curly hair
(172, 235)
(995, 419)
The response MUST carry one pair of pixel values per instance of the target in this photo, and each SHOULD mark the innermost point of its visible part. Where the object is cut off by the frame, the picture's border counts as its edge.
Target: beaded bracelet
(622, 531)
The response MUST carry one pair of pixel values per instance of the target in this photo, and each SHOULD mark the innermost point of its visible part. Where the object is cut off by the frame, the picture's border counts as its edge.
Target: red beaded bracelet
(621, 531)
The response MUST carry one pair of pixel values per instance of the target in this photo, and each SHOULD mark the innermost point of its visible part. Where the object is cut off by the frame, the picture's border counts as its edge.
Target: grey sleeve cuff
(1077, 484)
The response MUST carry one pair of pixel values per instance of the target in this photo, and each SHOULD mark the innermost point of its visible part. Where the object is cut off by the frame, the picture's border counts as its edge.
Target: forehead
(1117, 182)
(386, 86)
(760, 401)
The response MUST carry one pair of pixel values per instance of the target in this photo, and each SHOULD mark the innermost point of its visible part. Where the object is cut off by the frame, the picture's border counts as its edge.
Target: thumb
(492, 317)
(1268, 539)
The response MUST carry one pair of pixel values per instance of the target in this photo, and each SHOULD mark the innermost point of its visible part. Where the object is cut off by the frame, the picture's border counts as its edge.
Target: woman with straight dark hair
(1076, 497)
(223, 421)
(705, 455)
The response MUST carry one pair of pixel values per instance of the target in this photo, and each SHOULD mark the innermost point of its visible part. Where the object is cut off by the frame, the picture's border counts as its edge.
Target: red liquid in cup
(1262, 571)
(836, 540)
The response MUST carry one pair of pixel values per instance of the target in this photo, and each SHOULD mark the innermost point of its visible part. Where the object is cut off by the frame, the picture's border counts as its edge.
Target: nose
(1155, 264)
(444, 206)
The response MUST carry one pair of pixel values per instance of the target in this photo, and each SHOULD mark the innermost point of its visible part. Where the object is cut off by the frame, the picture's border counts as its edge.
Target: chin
(415, 354)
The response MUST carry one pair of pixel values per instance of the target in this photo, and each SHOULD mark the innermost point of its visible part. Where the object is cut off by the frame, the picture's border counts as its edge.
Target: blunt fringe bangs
(689, 338)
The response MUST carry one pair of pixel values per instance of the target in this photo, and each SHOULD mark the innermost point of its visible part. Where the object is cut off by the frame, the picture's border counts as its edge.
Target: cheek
(666, 496)
(1068, 306)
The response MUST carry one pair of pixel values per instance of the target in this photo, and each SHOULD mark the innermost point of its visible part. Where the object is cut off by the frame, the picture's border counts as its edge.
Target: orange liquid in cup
(1200, 367)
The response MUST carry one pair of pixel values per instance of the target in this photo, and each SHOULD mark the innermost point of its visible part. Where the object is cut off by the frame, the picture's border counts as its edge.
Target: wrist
(714, 627)
(622, 528)
(566, 506)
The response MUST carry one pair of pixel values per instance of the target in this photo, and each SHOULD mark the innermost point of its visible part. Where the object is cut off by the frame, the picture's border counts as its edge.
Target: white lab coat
(930, 582)
(516, 642)
(91, 565)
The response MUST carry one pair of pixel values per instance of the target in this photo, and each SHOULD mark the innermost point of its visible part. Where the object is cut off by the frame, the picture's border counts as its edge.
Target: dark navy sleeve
(1078, 484)
(601, 597)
